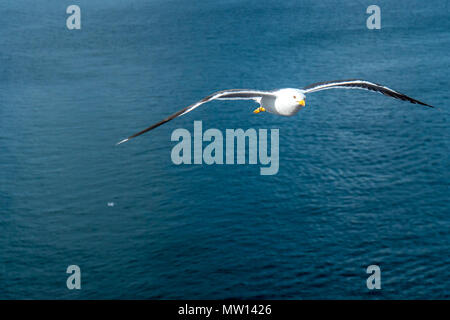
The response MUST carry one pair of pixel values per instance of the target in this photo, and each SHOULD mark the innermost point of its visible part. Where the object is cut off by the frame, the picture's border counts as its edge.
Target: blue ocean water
(363, 179)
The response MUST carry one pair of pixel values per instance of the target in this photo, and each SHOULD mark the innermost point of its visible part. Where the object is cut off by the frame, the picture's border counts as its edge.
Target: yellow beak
(302, 103)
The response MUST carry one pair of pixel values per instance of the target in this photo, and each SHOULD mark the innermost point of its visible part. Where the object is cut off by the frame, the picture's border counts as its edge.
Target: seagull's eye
(295, 97)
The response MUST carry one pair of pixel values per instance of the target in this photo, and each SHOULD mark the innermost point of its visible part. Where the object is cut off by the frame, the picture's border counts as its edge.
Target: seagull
(284, 102)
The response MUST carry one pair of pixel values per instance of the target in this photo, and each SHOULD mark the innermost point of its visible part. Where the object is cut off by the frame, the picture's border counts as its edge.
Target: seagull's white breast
(286, 108)
(285, 102)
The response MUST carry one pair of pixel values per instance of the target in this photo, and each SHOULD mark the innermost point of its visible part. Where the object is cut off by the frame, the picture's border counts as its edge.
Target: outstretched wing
(232, 94)
(360, 84)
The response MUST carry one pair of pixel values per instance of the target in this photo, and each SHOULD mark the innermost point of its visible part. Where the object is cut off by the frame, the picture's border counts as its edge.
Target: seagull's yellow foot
(259, 109)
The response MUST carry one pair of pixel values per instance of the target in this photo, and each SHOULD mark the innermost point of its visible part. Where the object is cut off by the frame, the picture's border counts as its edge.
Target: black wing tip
(424, 104)
(154, 126)
(122, 141)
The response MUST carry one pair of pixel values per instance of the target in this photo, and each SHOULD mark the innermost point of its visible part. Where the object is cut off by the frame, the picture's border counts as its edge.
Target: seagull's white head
(291, 97)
